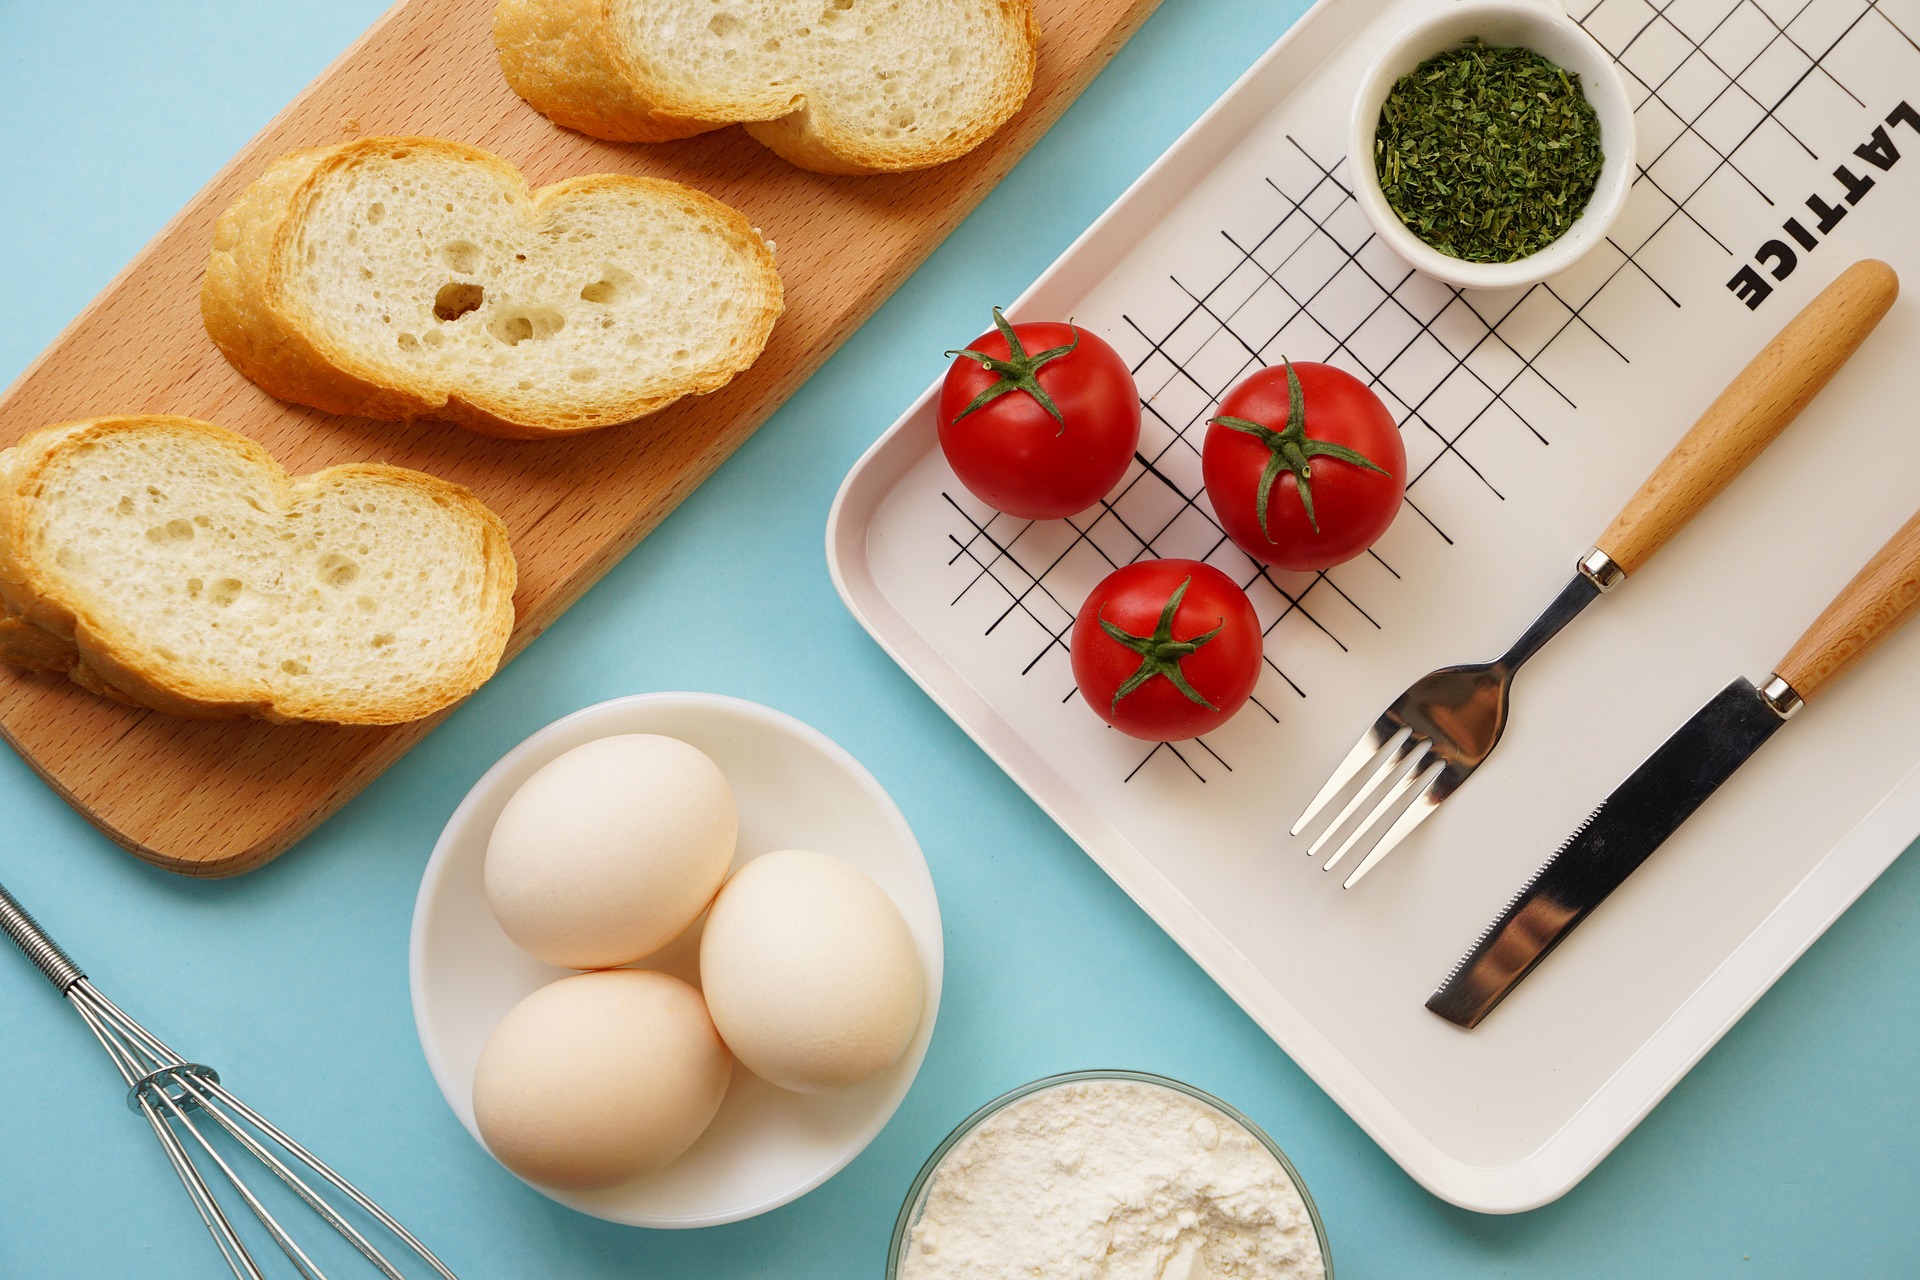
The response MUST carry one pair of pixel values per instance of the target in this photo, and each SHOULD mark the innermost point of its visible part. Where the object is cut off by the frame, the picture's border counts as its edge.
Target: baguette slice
(837, 86)
(405, 278)
(172, 564)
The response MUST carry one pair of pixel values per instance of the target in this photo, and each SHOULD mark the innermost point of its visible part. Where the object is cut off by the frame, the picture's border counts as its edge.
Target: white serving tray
(1529, 417)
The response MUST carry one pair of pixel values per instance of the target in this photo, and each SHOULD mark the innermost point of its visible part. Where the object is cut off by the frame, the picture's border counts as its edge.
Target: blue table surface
(1789, 1151)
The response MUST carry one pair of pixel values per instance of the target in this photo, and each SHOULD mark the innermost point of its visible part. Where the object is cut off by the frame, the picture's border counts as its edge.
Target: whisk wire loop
(176, 1096)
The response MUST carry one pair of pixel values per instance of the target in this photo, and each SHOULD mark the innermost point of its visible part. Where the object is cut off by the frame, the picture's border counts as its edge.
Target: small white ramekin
(1540, 25)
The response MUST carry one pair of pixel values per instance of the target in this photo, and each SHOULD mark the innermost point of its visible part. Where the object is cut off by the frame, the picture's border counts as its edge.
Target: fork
(1431, 738)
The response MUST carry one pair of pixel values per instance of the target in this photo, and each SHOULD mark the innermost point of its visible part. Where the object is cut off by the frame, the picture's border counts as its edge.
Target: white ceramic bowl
(795, 789)
(1540, 25)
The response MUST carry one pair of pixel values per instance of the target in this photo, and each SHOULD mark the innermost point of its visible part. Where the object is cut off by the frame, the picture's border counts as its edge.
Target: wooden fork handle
(1881, 597)
(1756, 406)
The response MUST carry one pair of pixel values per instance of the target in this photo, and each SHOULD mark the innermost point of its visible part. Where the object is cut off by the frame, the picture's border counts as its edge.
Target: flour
(1111, 1180)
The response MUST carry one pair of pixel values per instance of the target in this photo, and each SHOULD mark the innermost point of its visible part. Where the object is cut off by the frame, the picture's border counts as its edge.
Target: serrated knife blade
(1606, 848)
(1677, 779)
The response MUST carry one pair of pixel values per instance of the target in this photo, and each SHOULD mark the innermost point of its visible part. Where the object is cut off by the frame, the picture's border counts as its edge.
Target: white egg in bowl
(794, 787)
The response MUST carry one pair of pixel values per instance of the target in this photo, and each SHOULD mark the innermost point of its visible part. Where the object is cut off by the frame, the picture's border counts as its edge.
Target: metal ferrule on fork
(1426, 743)
(1432, 738)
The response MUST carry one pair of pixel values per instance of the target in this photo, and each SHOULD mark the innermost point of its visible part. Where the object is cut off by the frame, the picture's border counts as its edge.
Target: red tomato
(1039, 420)
(1166, 649)
(1303, 487)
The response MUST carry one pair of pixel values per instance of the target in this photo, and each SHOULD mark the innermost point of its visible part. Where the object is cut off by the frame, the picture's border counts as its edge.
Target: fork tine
(1406, 782)
(1412, 816)
(1392, 755)
(1364, 750)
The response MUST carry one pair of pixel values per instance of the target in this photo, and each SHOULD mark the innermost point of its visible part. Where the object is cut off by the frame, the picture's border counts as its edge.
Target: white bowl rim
(436, 871)
(1615, 182)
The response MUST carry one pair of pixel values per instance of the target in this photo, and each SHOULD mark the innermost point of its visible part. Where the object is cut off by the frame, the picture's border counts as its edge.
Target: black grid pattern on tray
(1711, 80)
(1358, 289)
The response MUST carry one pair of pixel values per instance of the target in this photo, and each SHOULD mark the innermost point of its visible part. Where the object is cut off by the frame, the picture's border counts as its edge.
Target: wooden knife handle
(1756, 406)
(1872, 607)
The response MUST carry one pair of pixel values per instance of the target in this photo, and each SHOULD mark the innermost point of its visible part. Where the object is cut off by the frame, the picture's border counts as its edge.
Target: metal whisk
(170, 1092)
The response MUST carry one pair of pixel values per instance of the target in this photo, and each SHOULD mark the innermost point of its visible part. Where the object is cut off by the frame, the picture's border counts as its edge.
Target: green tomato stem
(1160, 653)
(1293, 450)
(1018, 372)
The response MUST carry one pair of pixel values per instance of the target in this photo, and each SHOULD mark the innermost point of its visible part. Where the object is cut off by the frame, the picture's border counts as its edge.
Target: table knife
(1676, 779)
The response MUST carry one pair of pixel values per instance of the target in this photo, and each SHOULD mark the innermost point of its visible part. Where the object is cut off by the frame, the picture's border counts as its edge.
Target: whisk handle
(45, 953)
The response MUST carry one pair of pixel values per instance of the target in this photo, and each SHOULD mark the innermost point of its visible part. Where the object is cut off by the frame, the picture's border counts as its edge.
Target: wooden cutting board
(221, 797)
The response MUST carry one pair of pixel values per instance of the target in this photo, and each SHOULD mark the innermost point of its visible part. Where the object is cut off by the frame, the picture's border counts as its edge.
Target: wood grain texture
(217, 798)
(1879, 600)
(1756, 407)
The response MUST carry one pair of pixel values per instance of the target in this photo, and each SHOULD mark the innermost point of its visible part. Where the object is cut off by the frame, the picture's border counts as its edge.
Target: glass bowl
(916, 1199)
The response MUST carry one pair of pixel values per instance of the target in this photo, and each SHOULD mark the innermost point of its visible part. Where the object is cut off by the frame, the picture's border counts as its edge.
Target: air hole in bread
(381, 641)
(194, 588)
(176, 530)
(515, 325)
(367, 604)
(337, 570)
(902, 118)
(585, 373)
(226, 590)
(612, 286)
(408, 342)
(456, 298)
(724, 25)
(126, 506)
(375, 212)
(463, 256)
(293, 666)
(432, 338)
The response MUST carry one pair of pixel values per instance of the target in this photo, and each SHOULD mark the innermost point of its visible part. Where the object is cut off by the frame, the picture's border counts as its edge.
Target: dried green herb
(1487, 153)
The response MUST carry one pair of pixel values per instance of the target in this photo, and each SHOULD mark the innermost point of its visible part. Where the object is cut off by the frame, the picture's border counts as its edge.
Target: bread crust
(565, 51)
(48, 627)
(566, 59)
(269, 336)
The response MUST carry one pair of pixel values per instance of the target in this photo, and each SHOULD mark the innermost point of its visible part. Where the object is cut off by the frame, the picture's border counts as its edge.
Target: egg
(611, 850)
(810, 972)
(596, 1079)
